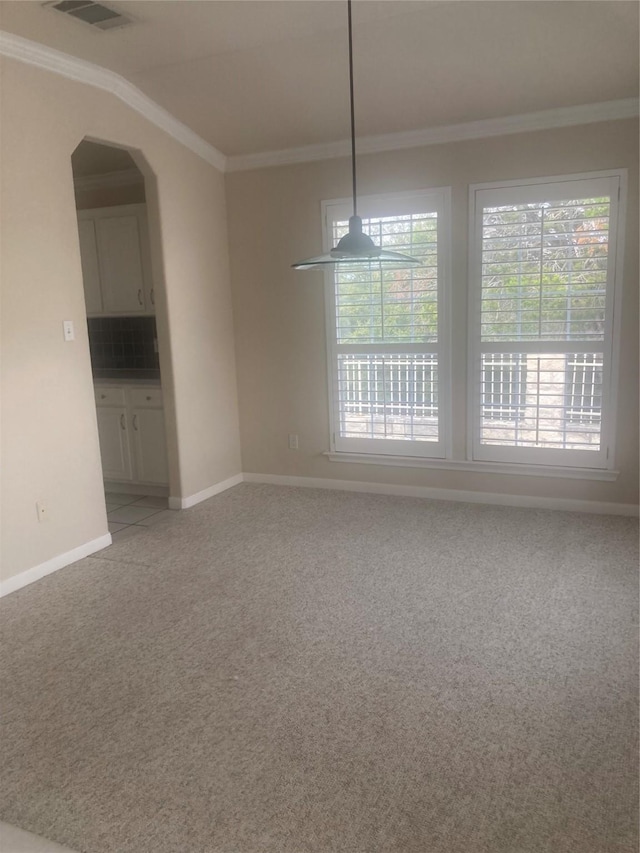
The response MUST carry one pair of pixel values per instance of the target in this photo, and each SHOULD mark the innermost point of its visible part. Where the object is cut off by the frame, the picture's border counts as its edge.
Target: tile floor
(127, 514)
(14, 840)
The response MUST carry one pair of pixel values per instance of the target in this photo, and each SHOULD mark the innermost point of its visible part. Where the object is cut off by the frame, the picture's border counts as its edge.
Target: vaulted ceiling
(258, 76)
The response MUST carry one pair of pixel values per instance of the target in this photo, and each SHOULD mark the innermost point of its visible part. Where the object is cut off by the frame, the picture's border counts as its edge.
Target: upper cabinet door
(147, 266)
(119, 253)
(90, 269)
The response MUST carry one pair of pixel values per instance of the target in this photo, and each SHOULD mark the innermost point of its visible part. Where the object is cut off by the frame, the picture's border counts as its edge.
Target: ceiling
(258, 76)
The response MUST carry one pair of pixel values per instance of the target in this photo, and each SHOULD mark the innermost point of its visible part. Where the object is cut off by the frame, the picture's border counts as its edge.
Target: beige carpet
(302, 671)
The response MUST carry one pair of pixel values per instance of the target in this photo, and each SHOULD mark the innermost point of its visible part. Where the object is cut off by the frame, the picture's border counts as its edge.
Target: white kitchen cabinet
(133, 443)
(90, 269)
(120, 264)
(115, 450)
(150, 445)
(116, 265)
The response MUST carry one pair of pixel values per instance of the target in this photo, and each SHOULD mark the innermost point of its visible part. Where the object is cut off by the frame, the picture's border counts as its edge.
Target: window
(504, 384)
(541, 331)
(584, 389)
(387, 331)
(542, 278)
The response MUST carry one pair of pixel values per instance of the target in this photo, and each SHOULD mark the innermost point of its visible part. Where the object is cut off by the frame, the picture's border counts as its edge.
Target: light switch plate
(69, 334)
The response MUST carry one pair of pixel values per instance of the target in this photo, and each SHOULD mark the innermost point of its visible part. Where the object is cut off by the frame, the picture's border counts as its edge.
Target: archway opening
(121, 290)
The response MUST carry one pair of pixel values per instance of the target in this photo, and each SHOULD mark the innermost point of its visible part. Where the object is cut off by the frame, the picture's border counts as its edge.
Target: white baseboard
(566, 504)
(192, 500)
(55, 563)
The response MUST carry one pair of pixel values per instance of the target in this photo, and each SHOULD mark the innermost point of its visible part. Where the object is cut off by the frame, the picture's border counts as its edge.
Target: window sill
(521, 469)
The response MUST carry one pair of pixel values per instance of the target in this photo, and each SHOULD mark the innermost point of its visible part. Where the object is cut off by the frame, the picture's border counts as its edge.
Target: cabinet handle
(153, 298)
(140, 296)
(135, 422)
(148, 397)
(103, 396)
(123, 422)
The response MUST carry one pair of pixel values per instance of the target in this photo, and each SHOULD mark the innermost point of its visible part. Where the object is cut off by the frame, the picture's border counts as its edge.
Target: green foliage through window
(378, 306)
(544, 270)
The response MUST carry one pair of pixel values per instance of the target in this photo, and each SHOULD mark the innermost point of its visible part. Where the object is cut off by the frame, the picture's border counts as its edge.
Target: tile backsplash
(123, 343)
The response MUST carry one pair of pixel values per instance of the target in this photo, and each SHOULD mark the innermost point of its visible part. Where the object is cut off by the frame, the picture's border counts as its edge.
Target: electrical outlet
(293, 441)
(42, 510)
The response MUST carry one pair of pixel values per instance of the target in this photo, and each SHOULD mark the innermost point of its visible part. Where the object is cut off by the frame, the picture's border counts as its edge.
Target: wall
(274, 220)
(49, 438)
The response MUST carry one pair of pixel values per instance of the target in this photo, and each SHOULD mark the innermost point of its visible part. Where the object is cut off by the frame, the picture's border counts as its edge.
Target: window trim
(604, 459)
(508, 468)
(389, 204)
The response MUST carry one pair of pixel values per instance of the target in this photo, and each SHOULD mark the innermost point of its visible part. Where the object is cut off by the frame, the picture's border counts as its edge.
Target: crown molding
(33, 53)
(542, 120)
(123, 178)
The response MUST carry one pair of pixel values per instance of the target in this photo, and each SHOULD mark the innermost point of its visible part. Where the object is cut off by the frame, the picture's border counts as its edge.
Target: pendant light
(356, 247)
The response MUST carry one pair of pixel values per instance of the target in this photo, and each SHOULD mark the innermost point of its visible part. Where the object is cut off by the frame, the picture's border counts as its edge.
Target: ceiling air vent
(95, 14)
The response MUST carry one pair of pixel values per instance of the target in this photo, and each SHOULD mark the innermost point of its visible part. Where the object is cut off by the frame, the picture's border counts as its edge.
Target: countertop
(127, 377)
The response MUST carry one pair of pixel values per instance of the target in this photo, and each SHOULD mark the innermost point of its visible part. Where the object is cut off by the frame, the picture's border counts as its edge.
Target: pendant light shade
(356, 247)
(359, 249)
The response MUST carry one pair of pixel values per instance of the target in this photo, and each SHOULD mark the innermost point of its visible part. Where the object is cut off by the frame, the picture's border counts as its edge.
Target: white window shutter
(543, 274)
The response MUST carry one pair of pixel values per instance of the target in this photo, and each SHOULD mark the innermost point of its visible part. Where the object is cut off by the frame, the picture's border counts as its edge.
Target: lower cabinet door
(115, 452)
(150, 445)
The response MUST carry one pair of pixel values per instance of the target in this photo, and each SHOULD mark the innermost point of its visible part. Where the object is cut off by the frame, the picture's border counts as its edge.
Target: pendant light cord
(353, 114)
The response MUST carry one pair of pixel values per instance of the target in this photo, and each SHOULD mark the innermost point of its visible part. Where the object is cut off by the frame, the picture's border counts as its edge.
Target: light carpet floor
(284, 670)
